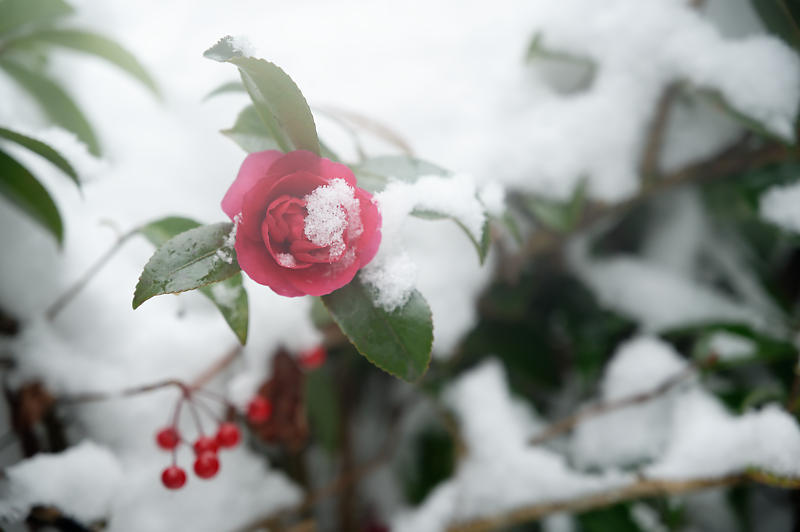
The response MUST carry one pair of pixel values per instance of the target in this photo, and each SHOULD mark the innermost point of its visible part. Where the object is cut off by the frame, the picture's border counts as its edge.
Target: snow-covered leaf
(374, 174)
(229, 295)
(194, 258)
(399, 342)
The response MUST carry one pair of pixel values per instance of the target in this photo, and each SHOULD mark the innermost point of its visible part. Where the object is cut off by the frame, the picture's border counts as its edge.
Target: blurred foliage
(29, 29)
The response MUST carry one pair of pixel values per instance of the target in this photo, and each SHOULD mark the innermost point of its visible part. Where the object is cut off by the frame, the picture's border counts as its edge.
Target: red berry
(228, 435)
(206, 465)
(168, 438)
(313, 358)
(259, 409)
(205, 444)
(173, 477)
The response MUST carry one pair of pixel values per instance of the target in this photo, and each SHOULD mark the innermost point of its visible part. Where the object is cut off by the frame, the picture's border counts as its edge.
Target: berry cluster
(206, 463)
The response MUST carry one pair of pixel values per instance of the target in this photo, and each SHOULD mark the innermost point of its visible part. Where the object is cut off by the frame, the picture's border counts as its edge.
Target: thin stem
(207, 409)
(59, 304)
(196, 417)
(176, 415)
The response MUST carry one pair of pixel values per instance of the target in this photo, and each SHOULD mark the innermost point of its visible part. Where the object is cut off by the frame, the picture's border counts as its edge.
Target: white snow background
(450, 77)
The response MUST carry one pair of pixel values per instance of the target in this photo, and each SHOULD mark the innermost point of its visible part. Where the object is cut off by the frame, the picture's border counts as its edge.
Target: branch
(603, 407)
(643, 487)
(366, 123)
(59, 304)
(648, 169)
(186, 388)
(736, 158)
(343, 481)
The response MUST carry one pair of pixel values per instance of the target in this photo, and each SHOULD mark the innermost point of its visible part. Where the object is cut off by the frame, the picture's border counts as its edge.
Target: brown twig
(186, 388)
(345, 480)
(736, 158)
(368, 124)
(643, 487)
(59, 304)
(649, 169)
(603, 407)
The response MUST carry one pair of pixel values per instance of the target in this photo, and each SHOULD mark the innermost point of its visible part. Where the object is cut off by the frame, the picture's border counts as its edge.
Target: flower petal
(257, 262)
(302, 160)
(253, 170)
(370, 239)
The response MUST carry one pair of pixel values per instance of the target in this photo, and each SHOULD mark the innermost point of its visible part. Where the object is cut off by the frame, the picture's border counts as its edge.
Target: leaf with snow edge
(374, 174)
(577, 71)
(15, 14)
(782, 18)
(40, 148)
(56, 104)
(250, 133)
(558, 215)
(190, 260)
(89, 43)
(480, 242)
(229, 296)
(718, 100)
(398, 342)
(20, 187)
(768, 348)
(225, 88)
(278, 101)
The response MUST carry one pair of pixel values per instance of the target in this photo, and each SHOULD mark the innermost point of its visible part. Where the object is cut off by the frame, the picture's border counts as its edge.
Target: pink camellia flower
(303, 225)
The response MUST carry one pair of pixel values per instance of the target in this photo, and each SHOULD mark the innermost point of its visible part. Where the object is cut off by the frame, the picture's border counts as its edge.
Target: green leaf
(192, 259)
(15, 14)
(20, 187)
(90, 43)
(558, 215)
(322, 406)
(398, 342)
(278, 101)
(40, 148)
(161, 230)
(229, 296)
(374, 174)
(782, 18)
(537, 50)
(57, 104)
(230, 86)
(481, 242)
(250, 133)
